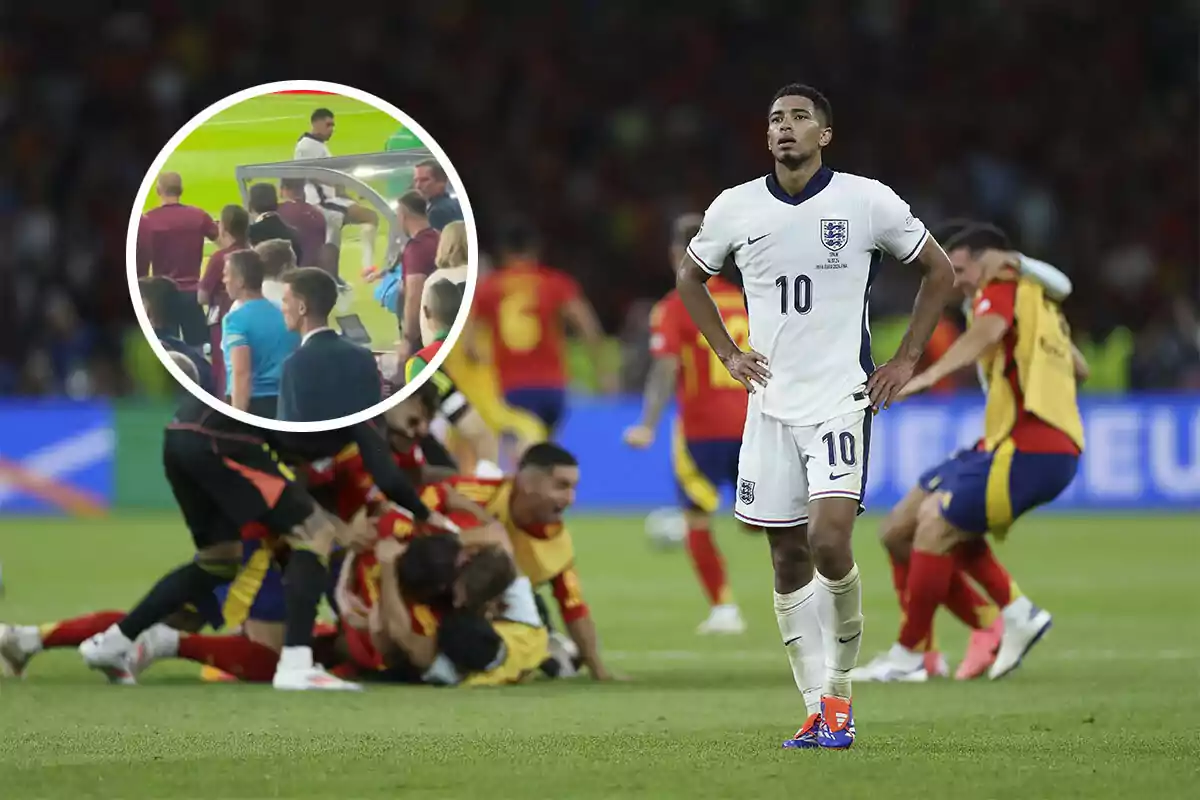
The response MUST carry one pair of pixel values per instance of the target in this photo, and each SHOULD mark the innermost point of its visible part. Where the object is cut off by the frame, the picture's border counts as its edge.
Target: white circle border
(151, 177)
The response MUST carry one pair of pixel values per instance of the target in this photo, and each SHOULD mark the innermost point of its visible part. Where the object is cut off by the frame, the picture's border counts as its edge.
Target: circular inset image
(285, 242)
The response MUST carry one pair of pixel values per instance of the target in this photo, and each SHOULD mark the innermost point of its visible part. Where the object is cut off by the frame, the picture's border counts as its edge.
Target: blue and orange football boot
(806, 737)
(837, 724)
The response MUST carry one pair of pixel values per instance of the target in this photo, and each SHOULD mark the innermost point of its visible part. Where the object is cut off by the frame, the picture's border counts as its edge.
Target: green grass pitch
(264, 130)
(1105, 707)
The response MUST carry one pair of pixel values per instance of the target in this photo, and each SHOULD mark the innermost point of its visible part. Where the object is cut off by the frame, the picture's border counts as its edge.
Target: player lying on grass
(225, 475)
(708, 431)
(898, 529)
(253, 601)
(252, 655)
(1033, 438)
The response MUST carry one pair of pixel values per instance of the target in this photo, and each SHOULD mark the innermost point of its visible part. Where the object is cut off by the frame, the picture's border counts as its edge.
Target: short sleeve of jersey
(713, 243)
(999, 298)
(307, 147)
(894, 229)
(664, 329)
(233, 331)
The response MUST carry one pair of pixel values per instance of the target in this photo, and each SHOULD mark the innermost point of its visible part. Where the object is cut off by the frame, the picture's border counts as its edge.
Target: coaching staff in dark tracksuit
(328, 376)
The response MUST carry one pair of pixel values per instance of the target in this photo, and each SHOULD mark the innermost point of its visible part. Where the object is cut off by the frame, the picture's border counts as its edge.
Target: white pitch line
(743, 656)
(282, 119)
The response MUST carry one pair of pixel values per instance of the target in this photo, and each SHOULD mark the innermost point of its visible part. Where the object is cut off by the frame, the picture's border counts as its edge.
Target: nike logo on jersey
(851, 639)
(756, 239)
(833, 477)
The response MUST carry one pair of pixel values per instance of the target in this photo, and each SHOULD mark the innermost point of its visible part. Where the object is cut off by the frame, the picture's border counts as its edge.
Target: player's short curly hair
(820, 102)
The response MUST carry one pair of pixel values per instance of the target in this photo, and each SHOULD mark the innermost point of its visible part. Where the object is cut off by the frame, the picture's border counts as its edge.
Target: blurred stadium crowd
(1071, 123)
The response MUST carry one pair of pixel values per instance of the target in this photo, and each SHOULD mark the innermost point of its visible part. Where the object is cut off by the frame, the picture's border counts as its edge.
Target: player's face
(407, 422)
(233, 282)
(794, 131)
(293, 308)
(425, 183)
(555, 492)
(968, 271)
(323, 129)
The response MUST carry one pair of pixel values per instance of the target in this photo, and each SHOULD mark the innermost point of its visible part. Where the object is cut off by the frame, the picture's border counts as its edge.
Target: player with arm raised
(809, 242)
(338, 210)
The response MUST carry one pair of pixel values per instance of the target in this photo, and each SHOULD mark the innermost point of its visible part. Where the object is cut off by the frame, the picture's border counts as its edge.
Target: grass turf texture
(263, 130)
(1104, 708)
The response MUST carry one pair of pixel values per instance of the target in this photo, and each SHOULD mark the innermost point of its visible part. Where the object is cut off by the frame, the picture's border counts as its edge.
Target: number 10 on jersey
(801, 291)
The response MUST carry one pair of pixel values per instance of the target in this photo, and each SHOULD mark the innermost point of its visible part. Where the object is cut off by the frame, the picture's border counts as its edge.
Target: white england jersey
(308, 146)
(807, 262)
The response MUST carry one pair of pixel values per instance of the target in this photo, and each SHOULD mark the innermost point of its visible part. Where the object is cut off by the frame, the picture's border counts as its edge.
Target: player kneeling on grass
(1033, 438)
(531, 505)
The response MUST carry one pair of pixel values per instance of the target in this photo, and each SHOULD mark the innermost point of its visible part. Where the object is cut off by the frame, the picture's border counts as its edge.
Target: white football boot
(723, 620)
(110, 652)
(898, 665)
(14, 655)
(1024, 626)
(296, 672)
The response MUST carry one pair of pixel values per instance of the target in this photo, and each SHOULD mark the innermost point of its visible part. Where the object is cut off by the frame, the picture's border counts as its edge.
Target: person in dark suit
(267, 225)
(329, 376)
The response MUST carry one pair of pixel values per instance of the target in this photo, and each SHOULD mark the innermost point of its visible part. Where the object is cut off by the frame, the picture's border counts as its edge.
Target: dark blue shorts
(256, 593)
(546, 404)
(988, 491)
(701, 468)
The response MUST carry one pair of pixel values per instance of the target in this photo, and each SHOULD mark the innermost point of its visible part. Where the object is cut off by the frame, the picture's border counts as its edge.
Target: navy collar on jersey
(308, 135)
(816, 183)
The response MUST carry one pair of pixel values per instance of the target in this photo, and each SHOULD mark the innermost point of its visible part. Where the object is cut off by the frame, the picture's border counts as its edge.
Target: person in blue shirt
(254, 338)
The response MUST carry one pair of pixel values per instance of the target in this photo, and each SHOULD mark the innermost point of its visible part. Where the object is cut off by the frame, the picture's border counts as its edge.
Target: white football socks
(845, 626)
(800, 627)
(367, 240)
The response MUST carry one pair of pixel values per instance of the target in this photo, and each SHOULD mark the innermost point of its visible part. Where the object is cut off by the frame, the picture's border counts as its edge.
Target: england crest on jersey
(835, 233)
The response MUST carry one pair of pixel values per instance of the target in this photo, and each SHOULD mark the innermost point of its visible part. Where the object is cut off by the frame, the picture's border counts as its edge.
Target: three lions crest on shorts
(745, 492)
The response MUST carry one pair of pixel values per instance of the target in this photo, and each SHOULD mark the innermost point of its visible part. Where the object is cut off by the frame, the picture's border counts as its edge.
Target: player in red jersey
(708, 431)
(526, 307)
(1033, 438)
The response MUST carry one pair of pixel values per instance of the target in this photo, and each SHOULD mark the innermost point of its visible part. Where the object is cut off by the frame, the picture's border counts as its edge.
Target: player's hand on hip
(639, 436)
(886, 382)
(748, 368)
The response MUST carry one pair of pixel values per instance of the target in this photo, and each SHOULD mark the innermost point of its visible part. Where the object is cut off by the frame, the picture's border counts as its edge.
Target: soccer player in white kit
(338, 210)
(809, 242)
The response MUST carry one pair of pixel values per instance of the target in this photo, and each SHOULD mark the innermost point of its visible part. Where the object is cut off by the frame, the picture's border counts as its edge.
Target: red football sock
(929, 579)
(977, 559)
(74, 632)
(237, 655)
(709, 566)
(967, 604)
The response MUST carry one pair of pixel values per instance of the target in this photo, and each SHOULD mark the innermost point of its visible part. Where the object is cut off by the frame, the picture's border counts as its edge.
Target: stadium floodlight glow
(159, 164)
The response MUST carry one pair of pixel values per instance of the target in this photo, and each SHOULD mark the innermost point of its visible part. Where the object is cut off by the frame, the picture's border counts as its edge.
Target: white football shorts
(783, 467)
